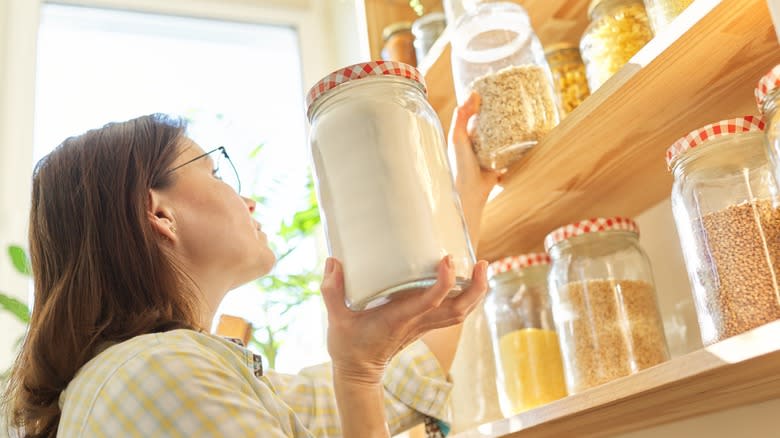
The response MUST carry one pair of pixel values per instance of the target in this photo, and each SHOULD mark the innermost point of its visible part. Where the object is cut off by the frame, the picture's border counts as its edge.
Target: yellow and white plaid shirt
(183, 383)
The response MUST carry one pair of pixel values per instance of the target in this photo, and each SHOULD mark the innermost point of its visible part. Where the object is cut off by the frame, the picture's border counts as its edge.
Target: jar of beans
(603, 301)
(568, 72)
(617, 30)
(528, 358)
(724, 204)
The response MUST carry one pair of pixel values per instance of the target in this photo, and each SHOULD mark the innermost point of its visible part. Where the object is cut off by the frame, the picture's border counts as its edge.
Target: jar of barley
(603, 301)
(725, 206)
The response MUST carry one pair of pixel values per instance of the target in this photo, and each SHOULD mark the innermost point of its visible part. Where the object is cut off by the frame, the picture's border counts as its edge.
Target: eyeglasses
(226, 173)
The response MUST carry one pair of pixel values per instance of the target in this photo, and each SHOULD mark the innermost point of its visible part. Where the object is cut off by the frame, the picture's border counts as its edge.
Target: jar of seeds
(617, 30)
(603, 301)
(568, 72)
(528, 358)
(496, 53)
(724, 204)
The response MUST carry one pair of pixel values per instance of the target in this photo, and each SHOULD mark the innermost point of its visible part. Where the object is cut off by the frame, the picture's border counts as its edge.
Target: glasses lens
(226, 172)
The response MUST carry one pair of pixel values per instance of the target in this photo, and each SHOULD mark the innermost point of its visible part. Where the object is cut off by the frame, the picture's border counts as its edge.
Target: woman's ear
(161, 216)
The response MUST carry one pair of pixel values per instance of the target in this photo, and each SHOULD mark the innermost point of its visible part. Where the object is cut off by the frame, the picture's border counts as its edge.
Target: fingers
(459, 129)
(455, 310)
(332, 288)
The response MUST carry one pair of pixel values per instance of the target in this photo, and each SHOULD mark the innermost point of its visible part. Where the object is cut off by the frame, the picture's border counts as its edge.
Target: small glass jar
(604, 303)
(617, 30)
(768, 100)
(399, 43)
(496, 53)
(663, 12)
(568, 72)
(426, 31)
(388, 202)
(724, 205)
(525, 345)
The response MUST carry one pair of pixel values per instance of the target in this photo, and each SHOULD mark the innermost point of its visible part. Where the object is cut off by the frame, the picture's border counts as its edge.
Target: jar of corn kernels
(617, 30)
(569, 78)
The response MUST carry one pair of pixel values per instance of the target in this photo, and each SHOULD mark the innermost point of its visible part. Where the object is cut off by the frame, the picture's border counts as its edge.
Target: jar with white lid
(724, 201)
(604, 302)
(525, 345)
(385, 188)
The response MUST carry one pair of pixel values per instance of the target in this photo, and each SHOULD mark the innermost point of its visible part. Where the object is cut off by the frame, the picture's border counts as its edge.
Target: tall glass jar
(525, 345)
(768, 100)
(568, 72)
(663, 12)
(496, 53)
(724, 204)
(386, 192)
(617, 30)
(604, 303)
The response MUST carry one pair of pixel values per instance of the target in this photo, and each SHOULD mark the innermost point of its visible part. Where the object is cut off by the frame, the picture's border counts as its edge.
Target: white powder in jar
(388, 201)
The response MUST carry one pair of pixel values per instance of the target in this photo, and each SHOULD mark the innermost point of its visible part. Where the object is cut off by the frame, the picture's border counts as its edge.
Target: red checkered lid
(594, 225)
(361, 71)
(769, 82)
(702, 135)
(515, 263)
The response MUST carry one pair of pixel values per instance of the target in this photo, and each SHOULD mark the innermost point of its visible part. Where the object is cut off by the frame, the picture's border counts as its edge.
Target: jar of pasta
(528, 359)
(617, 30)
(571, 83)
(663, 12)
(603, 301)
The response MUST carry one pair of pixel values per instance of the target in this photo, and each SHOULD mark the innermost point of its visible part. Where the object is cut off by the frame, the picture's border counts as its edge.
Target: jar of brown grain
(725, 206)
(399, 43)
(603, 302)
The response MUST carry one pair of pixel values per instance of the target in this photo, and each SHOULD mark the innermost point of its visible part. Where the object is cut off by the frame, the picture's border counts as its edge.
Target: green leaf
(15, 307)
(19, 259)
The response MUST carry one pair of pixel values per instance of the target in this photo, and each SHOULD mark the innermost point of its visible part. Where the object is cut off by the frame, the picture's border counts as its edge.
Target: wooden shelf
(607, 157)
(736, 372)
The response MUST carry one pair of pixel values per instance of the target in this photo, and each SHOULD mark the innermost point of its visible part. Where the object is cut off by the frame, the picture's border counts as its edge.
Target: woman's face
(221, 245)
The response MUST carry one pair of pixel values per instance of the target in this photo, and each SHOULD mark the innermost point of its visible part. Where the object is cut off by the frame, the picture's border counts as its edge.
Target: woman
(134, 243)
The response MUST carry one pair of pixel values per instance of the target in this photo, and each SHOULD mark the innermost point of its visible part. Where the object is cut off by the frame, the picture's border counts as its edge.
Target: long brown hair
(100, 271)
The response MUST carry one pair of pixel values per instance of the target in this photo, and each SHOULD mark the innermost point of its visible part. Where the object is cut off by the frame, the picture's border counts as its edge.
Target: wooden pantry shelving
(738, 371)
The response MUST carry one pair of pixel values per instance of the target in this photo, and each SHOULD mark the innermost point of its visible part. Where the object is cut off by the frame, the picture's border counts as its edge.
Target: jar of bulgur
(617, 30)
(496, 53)
(724, 205)
(571, 83)
(603, 302)
(663, 12)
(525, 345)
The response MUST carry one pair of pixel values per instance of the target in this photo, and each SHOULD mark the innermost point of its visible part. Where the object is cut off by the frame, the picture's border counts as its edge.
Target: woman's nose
(251, 204)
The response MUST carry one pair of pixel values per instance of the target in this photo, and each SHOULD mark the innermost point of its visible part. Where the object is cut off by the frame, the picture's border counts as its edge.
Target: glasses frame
(224, 153)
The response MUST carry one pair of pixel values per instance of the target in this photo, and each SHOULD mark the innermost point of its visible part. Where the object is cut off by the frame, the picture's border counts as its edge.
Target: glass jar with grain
(528, 358)
(617, 30)
(603, 301)
(568, 72)
(496, 53)
(724, 204)
(663, 12)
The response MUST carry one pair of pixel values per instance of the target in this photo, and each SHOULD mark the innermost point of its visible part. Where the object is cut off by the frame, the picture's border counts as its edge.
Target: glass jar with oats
(568, 72)
(725, 207)
(603, 302)
(496, 53)
(617, 30)
(528, 359)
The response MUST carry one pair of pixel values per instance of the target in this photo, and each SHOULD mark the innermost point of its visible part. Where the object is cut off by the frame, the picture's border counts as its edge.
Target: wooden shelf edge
(736, 372)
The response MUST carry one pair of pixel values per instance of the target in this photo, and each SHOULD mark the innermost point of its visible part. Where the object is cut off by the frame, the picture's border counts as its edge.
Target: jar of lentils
(603, 302)
(571, 83)
(724, 205)
(617, 30)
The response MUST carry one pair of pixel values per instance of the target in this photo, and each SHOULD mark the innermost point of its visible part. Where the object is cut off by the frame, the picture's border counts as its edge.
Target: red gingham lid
(700, 136)
(769, 82)
(360, 71)
(586, 226)
(518, 262)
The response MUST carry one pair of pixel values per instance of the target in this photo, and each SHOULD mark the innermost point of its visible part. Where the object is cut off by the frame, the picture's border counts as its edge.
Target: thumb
(332, 287)
(459, 129)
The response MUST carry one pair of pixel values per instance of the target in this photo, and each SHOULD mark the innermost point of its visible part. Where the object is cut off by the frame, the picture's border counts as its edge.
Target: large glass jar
(386, 192)
(528, 358)
(663, 12)
(496, 53)
(724, 204)
(568, 72)
(768, 100)
(604, 303)
(617, 30)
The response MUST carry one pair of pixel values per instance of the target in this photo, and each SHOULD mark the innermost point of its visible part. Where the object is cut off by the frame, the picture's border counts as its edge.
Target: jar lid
(594, 225)
(515, 263)
(769, 82)
(394, 28)
(361, 71)
(700, 136)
